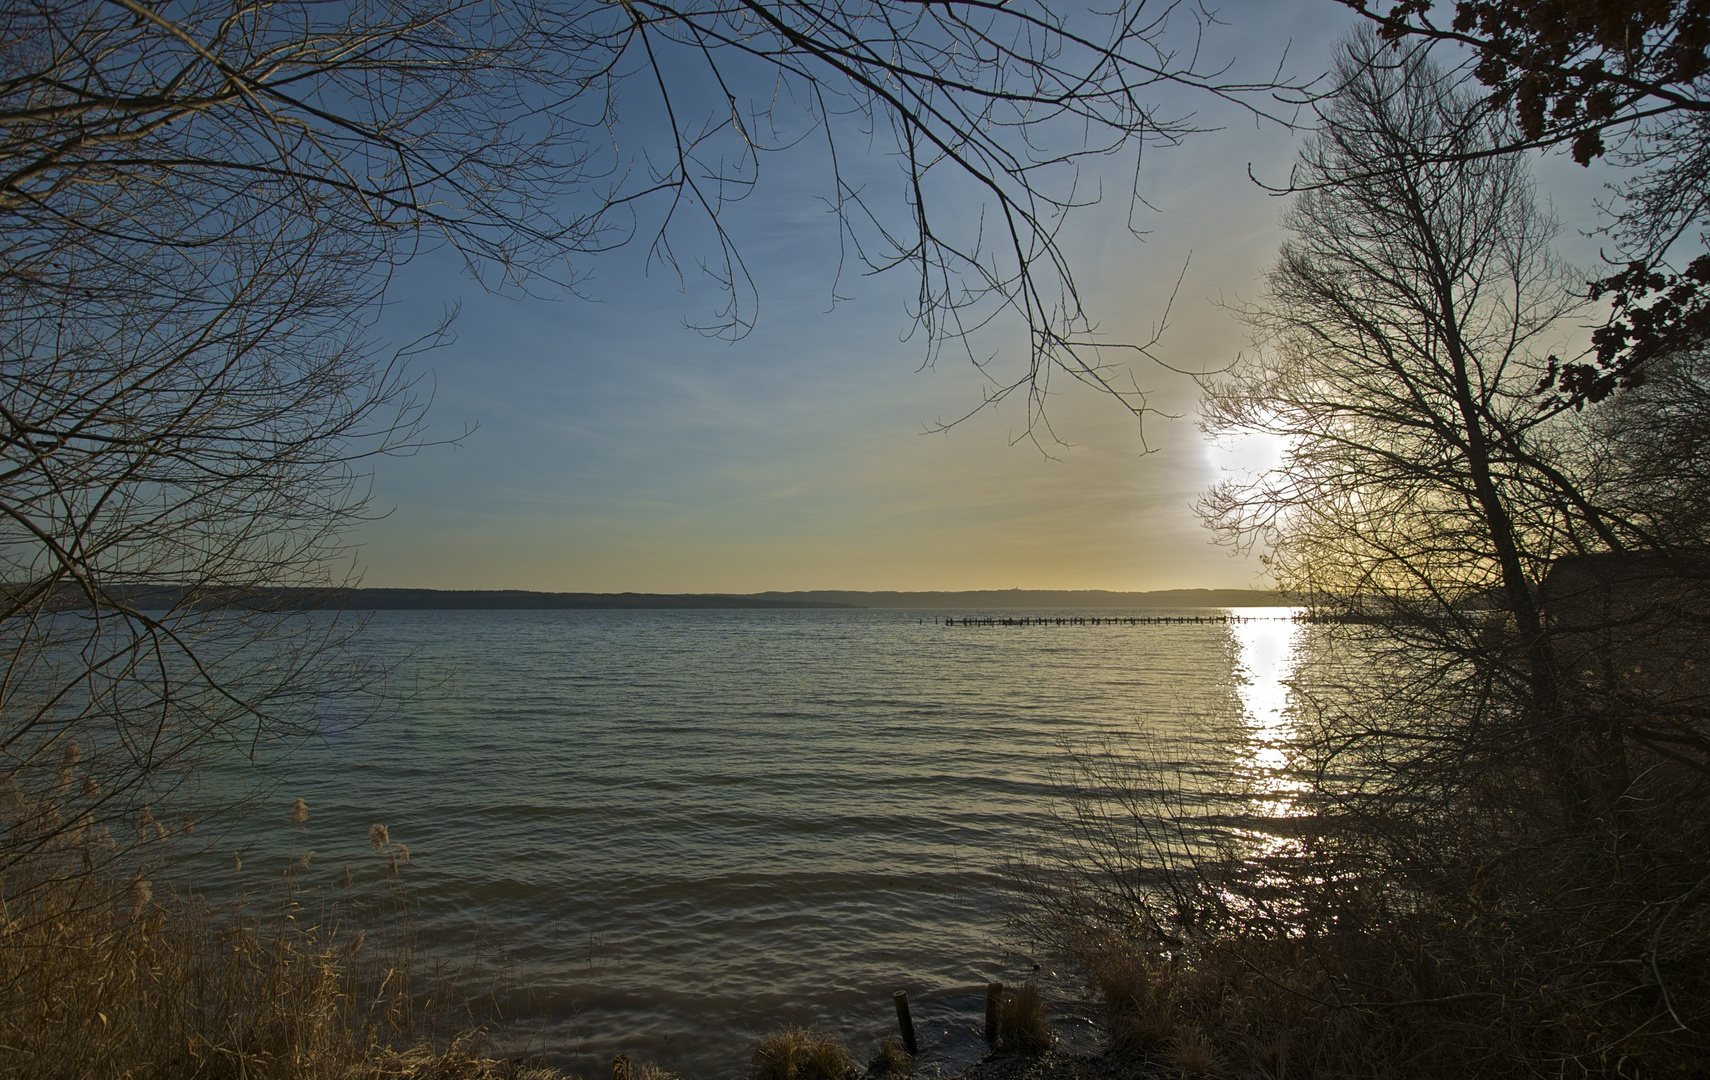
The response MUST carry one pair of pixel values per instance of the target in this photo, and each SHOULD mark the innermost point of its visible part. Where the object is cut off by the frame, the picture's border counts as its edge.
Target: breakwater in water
(1112, 620)
(1298, 616)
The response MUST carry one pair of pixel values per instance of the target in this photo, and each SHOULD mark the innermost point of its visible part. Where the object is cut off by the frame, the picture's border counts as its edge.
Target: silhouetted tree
(1398, 350)
(1500, 752)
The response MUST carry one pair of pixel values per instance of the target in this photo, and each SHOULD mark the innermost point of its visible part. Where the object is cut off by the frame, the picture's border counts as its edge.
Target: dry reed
(1021, 1025)
(799, 1054)
(103, 975)
(890, 1060)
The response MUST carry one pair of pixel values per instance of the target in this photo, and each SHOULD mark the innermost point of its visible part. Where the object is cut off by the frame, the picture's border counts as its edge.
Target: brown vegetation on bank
(799, 1054)
(1021, 1026)
(105, 973)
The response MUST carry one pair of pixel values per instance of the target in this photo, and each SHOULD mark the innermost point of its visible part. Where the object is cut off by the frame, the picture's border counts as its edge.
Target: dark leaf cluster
(1656, 313)
(1623, 80)
(1569, 69)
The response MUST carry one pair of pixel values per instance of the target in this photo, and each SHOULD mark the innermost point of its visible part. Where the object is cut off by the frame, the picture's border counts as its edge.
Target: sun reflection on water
(1268, 640)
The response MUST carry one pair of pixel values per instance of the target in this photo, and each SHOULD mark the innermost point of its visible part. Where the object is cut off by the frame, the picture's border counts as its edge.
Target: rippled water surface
(686, 827)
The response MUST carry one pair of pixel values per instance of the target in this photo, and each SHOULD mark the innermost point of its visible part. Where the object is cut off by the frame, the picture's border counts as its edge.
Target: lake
(674, 830)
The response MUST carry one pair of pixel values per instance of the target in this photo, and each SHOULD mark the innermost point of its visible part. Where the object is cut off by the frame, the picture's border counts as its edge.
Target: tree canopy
(1625, 80)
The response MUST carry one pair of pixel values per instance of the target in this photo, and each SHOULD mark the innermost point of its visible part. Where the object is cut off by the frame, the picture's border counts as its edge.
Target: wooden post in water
(906, 1023)
(994, 995)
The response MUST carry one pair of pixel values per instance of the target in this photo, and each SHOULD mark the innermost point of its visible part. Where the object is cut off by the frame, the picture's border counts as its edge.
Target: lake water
(683, 828)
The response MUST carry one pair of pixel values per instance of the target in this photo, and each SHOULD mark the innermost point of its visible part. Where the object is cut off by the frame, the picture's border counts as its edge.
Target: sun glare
(1244, 455)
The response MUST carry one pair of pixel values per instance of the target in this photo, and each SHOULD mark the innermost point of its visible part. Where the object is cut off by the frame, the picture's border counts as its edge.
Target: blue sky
(615, 449)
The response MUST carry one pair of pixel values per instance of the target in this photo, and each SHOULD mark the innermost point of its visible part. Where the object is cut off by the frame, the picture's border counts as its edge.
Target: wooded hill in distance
(393, 599)
(387, 599)
(161, 597)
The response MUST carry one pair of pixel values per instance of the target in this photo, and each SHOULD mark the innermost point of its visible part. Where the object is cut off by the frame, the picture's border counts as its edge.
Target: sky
(606, 446)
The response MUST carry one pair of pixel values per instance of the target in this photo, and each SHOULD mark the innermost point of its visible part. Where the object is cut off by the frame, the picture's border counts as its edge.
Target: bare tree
(1400, 348)
(181, 430)
(1498, 870)
(1398, 352)
(1651, 447)
(526, 132)
(202, 202)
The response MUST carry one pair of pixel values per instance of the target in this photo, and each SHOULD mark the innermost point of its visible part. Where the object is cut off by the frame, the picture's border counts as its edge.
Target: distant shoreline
(526, 600)
(364, 599)
(1029, 599)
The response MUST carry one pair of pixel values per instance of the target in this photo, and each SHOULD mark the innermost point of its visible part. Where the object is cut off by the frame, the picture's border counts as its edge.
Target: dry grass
(1138, 1013)
(799, 1054)
(459, 1061)
(1379, 991)
(890, 1060)
(625, 1069)
(1193, 1054)
(1451, 907)
(1021, 1026)
(103, 975)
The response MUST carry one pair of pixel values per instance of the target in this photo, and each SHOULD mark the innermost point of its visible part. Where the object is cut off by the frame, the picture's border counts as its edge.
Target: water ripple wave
(687, 827)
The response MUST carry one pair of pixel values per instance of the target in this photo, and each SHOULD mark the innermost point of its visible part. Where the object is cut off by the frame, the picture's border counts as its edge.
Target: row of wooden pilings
(622, 1070)
(1110, 620)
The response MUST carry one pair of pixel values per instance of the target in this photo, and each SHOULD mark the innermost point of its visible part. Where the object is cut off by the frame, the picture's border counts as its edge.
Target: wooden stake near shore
(994, 995)
(906, 1023)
